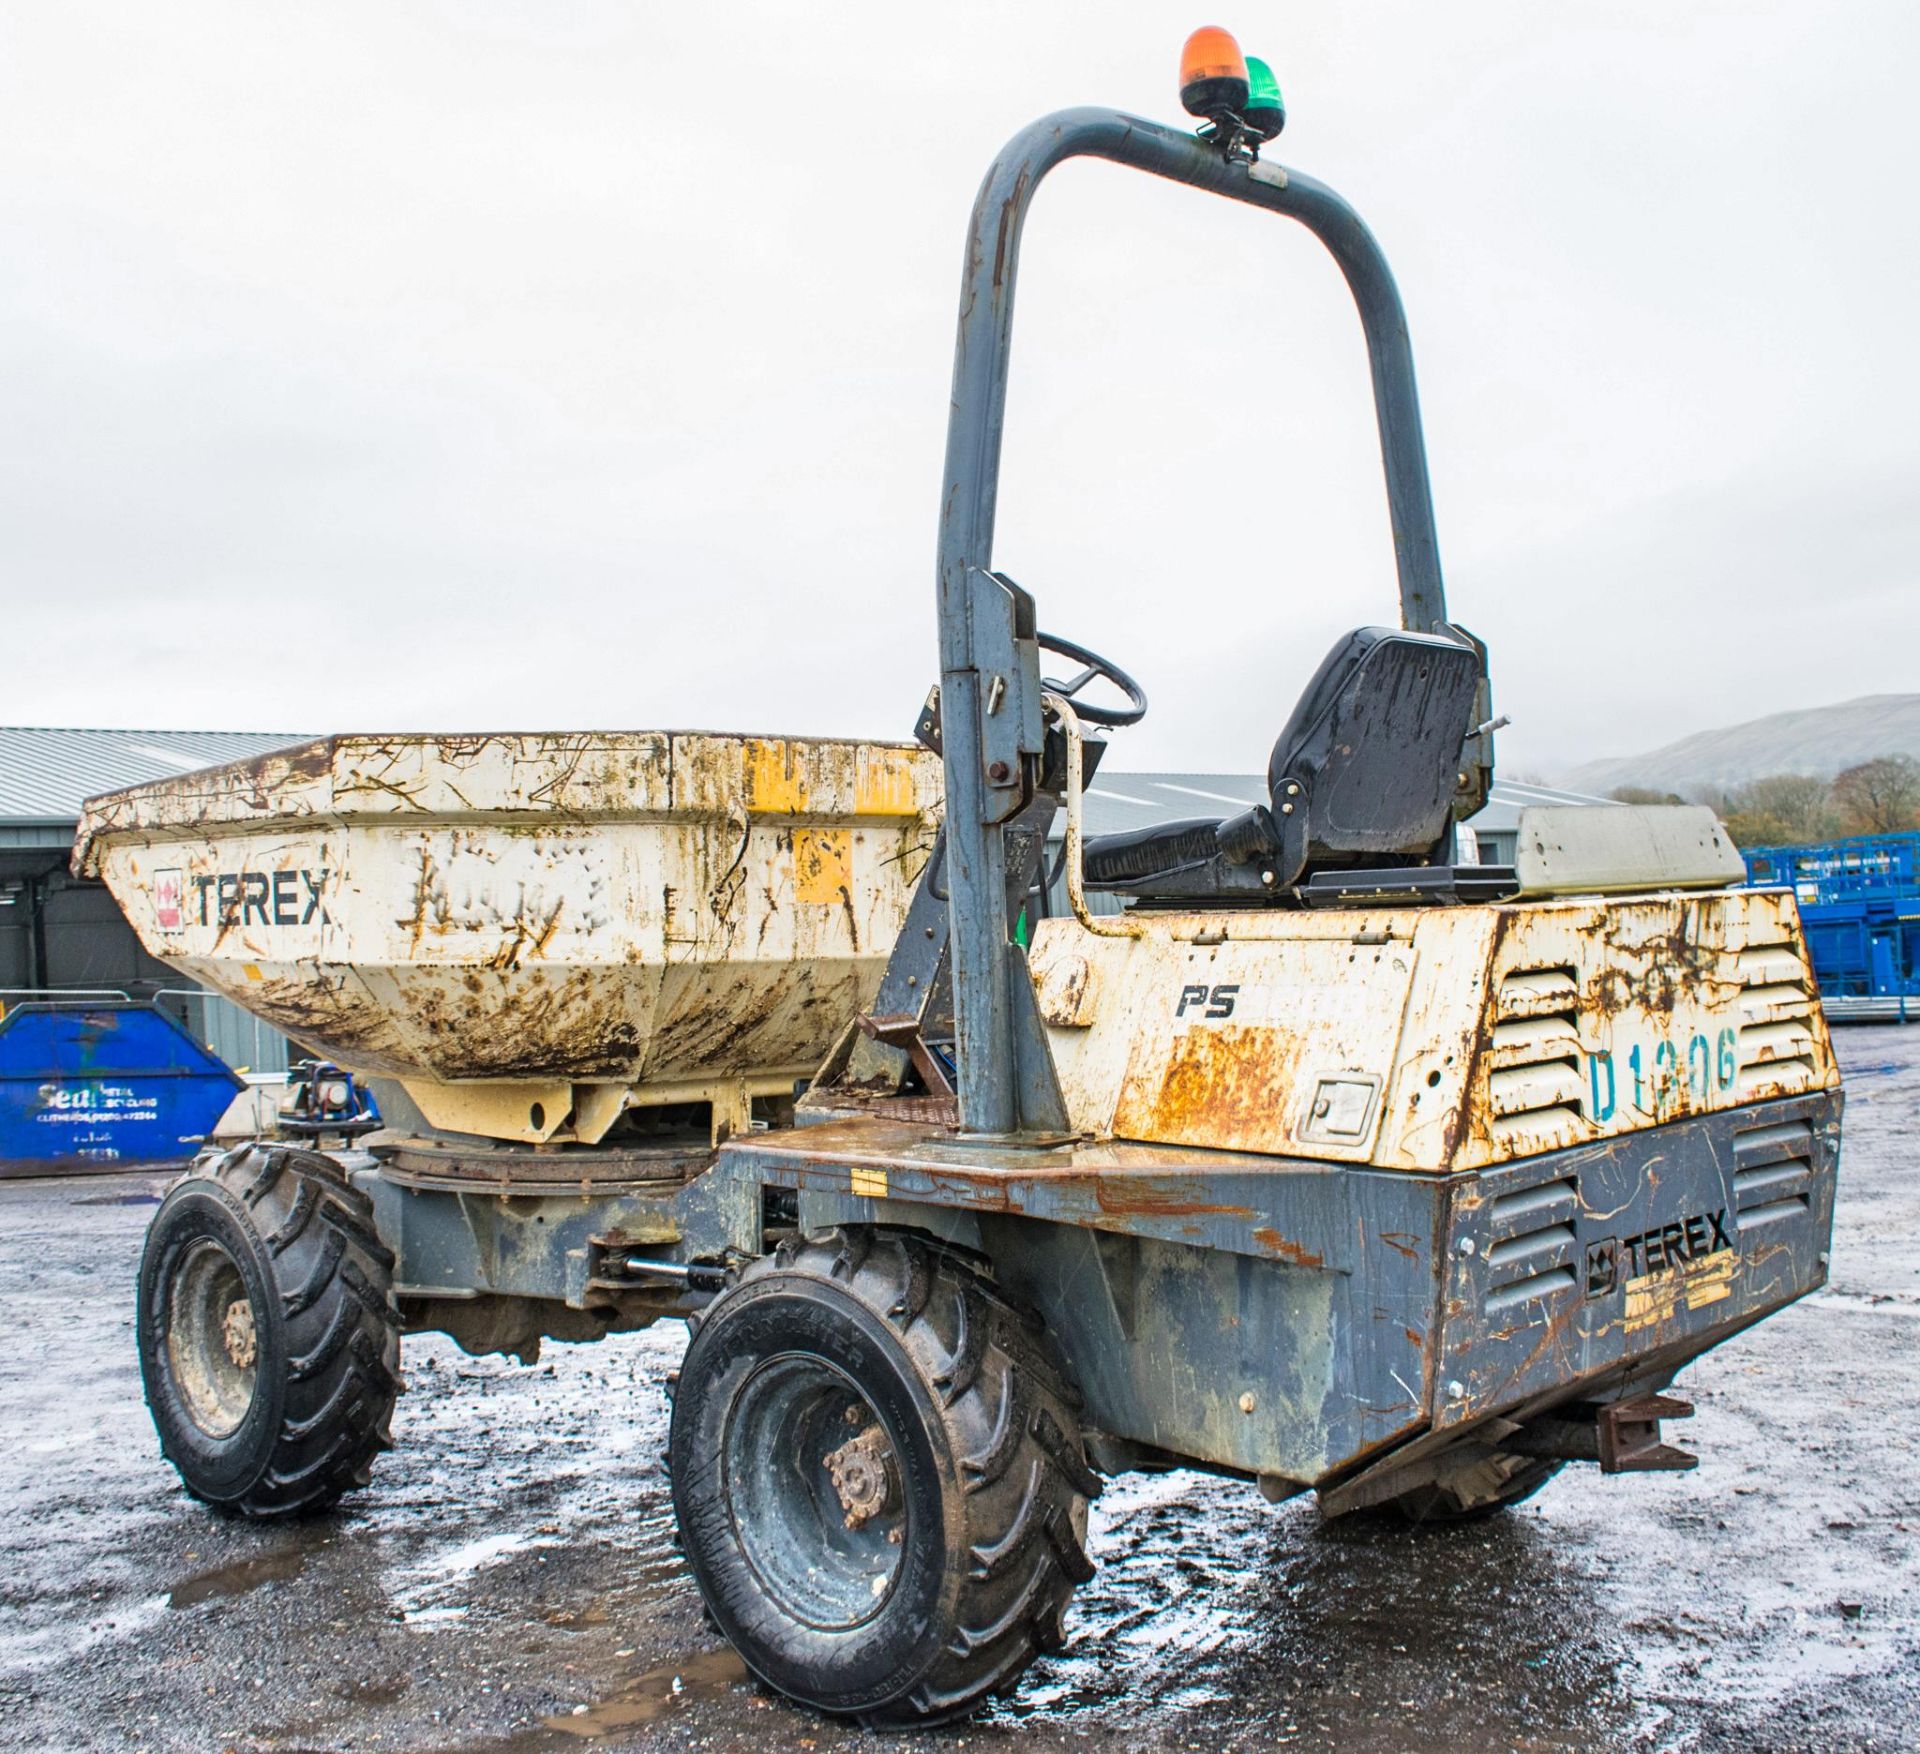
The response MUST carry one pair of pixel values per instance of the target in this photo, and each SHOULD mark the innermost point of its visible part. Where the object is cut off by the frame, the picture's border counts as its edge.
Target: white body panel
(1442, 1038)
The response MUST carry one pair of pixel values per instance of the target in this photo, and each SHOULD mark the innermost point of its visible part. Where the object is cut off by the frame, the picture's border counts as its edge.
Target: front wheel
(878, 1478)
(269, 1343)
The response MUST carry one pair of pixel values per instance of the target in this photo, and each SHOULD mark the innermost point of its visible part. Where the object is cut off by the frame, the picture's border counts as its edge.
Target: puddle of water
(237, 1577)
(424, 1601)
(649, 1697)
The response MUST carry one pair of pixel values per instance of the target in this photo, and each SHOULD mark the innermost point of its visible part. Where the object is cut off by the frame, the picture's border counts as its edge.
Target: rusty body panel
(1348, 1199)
(1437, 1039)
(532, 932)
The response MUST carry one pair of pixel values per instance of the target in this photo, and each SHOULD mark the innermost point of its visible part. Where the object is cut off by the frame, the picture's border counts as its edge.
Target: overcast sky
(573, 363)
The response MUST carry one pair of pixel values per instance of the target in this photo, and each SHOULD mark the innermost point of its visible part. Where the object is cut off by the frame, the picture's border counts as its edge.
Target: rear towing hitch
(1624, 1437)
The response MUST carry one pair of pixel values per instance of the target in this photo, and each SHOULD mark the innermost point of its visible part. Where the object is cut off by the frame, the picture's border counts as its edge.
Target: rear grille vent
(1776, 1021)
(1773, 1173)
(1530, 1243)
(1534, 1087)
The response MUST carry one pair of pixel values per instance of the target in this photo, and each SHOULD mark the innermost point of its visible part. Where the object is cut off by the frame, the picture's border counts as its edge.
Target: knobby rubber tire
(994, 1478)
(320, 1285)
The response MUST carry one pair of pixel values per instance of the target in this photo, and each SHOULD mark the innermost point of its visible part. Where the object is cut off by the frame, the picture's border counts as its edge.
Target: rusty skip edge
(529, 776)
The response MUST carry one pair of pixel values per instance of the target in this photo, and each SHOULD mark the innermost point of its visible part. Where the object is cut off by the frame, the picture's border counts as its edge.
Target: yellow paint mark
(884, 786)
(776, 778)
(869, 1184)
(822, 866)
(252, 971)
(1657, 1297)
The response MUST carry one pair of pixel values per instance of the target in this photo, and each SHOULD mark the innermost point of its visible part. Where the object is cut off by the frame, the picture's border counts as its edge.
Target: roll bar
(991, 709)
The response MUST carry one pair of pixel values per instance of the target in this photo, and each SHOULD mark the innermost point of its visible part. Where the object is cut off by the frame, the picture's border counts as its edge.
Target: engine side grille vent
(1773, 1173)
(1776, 1021)
(1534, 1086)
(1531, 1240)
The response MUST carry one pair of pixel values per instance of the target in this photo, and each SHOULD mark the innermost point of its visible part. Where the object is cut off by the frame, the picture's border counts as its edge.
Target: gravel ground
(509, 1585)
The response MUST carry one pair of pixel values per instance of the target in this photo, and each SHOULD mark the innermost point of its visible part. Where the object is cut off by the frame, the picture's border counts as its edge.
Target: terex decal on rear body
(264, 898)
(1663, 1248)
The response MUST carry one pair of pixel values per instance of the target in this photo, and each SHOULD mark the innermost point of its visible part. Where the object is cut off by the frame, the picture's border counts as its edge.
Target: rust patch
(1159, 1196)
(1291, 1252)
(1223, 1085)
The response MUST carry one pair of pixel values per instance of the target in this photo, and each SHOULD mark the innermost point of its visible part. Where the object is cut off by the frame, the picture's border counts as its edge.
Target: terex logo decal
(1217, 1002)
(169, 900)
(1665, 1248)
(266, 898)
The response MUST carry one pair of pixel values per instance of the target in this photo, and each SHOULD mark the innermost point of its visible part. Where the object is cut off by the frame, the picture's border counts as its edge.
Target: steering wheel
(1095, 669)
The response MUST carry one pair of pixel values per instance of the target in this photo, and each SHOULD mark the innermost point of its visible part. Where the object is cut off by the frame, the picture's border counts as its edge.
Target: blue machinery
(1860, 904)
(103, 1086)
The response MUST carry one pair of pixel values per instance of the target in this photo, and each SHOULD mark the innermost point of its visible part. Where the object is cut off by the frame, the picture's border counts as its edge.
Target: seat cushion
(1140, 854)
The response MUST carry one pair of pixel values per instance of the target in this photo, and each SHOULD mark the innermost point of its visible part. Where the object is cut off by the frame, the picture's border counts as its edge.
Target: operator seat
(1363, 777)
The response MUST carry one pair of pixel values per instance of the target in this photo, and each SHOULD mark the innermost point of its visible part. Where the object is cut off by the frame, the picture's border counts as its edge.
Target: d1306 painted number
(1663, 1082)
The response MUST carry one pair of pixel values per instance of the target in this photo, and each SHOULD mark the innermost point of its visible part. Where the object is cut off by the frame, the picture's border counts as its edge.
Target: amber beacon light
(1213, 74)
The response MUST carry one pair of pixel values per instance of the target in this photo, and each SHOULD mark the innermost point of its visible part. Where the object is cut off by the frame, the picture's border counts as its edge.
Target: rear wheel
(878, 1478)
(269, 1343)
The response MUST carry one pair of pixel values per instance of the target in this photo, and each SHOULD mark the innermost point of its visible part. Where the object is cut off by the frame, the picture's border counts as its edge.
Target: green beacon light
(1266, 110)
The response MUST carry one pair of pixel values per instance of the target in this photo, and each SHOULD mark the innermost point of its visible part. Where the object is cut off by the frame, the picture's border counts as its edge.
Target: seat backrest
(1374, 750)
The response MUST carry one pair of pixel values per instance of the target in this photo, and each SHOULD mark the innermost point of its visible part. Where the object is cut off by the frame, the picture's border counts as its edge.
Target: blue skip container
(95, 1087)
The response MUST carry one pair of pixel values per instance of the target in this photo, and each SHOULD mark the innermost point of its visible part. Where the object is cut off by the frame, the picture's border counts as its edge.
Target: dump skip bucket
(534, 933)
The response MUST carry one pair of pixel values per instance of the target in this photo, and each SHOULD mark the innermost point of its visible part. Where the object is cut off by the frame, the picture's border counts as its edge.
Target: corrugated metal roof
(47, 774)
(1510, 797)
(1117, 802)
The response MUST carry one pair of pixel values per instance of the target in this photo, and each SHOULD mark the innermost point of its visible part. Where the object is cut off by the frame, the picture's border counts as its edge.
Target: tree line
(1881, 796)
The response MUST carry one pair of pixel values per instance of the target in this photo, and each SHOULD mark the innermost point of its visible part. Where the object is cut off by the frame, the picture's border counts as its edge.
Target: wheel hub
(236, 1332)
(816, 1491)
(213, 1346)
(863, 1475)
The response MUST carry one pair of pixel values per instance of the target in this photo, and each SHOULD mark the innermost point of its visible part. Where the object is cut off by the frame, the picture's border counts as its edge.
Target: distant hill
(1814, 740)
